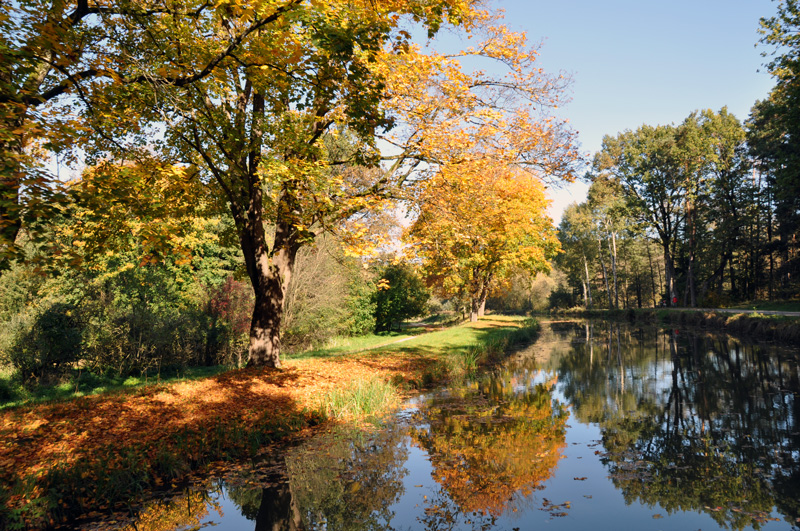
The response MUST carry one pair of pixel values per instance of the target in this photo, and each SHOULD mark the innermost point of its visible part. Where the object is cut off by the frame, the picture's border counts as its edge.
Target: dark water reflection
(597, 426)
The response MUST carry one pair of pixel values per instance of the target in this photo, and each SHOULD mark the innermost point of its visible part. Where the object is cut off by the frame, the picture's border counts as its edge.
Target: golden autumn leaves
(479, 223)
(475, 147)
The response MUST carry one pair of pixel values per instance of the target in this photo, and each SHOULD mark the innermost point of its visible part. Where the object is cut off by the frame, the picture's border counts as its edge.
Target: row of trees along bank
(256, 124)
(703, 213)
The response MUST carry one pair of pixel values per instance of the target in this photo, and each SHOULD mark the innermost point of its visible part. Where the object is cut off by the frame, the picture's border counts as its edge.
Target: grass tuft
(369, 398)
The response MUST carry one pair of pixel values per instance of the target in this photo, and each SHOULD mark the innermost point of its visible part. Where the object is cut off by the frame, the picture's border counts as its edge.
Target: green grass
(458, 352)
(362, 399)
(344, 345)
(460, 337)
(777, 306)
(83, 383)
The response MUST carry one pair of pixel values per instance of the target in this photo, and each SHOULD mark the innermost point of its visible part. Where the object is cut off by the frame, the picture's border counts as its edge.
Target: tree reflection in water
(491, 444)
(691, 422)
(349, 480)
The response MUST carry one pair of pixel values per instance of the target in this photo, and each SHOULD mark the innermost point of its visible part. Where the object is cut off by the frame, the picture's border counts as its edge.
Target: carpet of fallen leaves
(36, 438)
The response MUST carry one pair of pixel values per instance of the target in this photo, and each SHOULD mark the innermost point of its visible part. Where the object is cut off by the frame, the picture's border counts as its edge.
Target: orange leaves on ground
(37, 438)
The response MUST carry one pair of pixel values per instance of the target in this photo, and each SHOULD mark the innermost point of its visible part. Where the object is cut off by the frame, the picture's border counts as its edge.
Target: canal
(595, 426)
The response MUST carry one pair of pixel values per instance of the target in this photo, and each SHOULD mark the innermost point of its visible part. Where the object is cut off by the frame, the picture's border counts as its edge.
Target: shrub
(361, 308)
(42, 348)
(401, 295)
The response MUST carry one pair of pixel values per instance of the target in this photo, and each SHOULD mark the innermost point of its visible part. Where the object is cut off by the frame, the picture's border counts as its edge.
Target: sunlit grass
(344, 345)
(361, 399)
(463, 336)
(458, 352)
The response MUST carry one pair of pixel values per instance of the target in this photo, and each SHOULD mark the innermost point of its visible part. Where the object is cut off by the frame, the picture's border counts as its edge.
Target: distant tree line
(702, 213)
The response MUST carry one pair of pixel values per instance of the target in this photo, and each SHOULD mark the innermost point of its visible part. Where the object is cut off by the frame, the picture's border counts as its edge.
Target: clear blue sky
(645, 61)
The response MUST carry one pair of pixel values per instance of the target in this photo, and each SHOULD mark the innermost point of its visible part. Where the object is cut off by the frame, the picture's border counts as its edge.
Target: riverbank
(774, 326)
(100, 453)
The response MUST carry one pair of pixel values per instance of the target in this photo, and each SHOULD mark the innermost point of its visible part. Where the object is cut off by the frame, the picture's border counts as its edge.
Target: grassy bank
(103, 452)
(754, 325)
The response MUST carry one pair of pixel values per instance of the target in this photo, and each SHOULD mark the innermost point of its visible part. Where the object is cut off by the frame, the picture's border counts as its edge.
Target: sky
(637, 62)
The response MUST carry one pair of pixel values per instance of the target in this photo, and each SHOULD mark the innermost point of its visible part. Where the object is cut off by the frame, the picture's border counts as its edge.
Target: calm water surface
(596, 426)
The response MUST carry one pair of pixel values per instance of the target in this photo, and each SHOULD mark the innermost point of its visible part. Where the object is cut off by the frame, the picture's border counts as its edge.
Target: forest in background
(705, 213)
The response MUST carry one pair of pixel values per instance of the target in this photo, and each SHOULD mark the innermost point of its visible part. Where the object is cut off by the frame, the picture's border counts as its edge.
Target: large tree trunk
(479, 290)
(273, 272)
(265, 327)
(484, 294)
(475, 305)
(270, 271)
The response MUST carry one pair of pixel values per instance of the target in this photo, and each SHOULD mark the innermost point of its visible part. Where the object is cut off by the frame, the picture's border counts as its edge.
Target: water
(596, 426)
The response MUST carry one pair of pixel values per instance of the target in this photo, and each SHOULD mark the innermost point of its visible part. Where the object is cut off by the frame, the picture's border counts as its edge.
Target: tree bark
(270, 274)
(474, 309)
(605, 276)
(653, 276)
(484, 294)
(669, 274)
(588, 283)
(613, 249)
(479, 290)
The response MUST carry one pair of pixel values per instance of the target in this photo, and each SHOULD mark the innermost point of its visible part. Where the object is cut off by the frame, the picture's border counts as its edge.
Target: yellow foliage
(478, 222)
(155, 209)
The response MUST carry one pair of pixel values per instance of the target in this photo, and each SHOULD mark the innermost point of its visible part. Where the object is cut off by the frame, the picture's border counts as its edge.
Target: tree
(773, 135)
(648, 164)
(478, 223)
(401, 295)
(259, 128)
(575, 237)
(729, 200)
(58, 59)
(256, 95)
(606, 204)
(264, 127)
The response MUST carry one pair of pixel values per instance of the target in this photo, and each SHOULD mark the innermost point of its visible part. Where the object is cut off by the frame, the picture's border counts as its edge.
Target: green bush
(46, 346)
(361, 308)
(402, 295)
